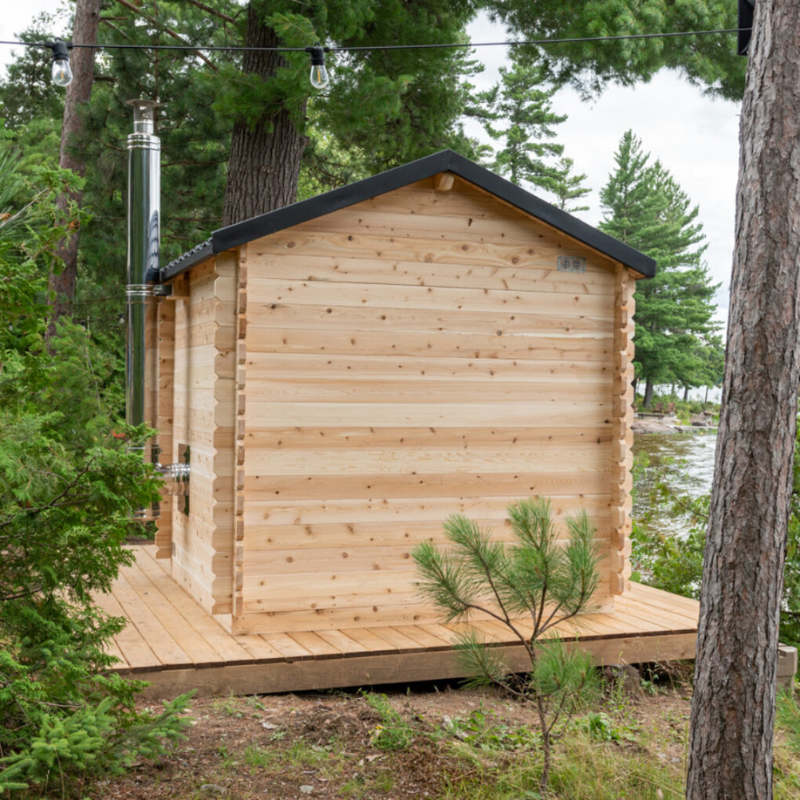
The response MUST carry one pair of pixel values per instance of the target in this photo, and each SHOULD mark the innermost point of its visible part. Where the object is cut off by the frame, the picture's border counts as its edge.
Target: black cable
(534, 42)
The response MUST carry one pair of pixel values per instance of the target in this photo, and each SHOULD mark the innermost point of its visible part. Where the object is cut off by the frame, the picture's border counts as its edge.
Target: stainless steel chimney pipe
(144, 241)
(144, 244)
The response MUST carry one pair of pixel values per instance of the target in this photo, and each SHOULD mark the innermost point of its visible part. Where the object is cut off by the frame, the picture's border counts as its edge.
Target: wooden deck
(176, 646)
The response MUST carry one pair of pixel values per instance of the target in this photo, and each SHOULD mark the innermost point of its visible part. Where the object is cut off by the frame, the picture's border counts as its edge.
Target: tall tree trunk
(648, 394)
(685, 393)
(734, 693)
(706, 400)
(79, 92)
(265, 160)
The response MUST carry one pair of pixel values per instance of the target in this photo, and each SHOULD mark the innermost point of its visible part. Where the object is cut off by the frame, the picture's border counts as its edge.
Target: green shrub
(67, 490)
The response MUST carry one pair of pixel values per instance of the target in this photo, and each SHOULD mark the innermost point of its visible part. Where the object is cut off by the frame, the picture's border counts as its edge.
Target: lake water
(689, 461)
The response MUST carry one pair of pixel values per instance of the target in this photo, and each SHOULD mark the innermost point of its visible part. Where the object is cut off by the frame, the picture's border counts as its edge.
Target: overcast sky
(694, 136)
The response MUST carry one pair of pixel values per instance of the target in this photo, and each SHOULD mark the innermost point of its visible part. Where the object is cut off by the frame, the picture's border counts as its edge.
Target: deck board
(230, 651)
(176, 645)
(195, 647)
(315, 644)
(346, 644)
(133, 603)
(129, 641)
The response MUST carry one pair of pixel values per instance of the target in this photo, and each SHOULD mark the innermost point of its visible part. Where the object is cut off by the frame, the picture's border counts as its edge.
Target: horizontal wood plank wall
(202, 541)
(413, 356)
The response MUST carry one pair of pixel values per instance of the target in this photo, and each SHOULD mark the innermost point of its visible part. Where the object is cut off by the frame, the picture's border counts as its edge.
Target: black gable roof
(444, 161)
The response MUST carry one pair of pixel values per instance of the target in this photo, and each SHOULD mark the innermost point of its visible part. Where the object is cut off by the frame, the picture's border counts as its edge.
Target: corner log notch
(204, 420)
(239, 445)
(622, 434)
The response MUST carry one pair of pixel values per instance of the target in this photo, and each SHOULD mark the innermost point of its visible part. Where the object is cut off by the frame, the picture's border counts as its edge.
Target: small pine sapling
(530, 587)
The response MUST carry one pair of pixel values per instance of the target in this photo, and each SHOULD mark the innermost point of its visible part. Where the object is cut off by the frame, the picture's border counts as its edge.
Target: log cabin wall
(412, 356)
(164, 357)
(202, 376)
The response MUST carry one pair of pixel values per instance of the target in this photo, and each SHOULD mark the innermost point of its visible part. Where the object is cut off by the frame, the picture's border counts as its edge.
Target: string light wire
(384, 47)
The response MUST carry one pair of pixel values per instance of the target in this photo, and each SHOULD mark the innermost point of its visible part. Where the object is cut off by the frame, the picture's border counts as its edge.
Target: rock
(628, 675)
(306, 789)
(652, 426)
(213, 789)
(452, 728)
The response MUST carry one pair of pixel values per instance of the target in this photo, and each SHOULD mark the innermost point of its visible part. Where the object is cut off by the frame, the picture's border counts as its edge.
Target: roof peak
(443, 161)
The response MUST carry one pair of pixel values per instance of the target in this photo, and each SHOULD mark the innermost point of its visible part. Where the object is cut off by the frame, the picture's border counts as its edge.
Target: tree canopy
(707, 61)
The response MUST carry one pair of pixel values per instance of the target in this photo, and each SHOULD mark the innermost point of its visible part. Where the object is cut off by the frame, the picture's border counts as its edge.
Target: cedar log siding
(412, 356)
(203, 351)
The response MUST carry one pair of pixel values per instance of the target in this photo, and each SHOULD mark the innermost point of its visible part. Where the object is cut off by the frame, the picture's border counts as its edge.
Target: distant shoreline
(667, 425)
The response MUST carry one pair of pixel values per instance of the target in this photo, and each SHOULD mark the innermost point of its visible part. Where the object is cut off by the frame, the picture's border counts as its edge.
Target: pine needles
(529, 586)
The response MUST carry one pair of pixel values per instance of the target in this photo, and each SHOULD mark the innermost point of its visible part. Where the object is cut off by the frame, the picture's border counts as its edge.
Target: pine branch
(153, 21)
(210, 10)
(116, 28)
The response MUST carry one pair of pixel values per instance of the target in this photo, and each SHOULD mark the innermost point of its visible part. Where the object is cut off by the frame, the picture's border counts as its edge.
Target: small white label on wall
(571, 264)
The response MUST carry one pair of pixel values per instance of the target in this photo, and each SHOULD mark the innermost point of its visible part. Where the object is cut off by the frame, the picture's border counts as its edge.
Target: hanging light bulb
(319, 75)
(62, 72)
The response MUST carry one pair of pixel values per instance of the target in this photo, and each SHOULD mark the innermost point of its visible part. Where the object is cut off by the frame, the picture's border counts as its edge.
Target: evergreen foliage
(568, 187)
(529, 587)
(708, 61)
(67, 489)
(382, 109)
(28, 90)
(645, 208)
(523, 103)
(396, 106)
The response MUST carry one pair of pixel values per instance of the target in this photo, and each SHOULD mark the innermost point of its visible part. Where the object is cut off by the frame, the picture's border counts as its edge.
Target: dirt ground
(427, 741)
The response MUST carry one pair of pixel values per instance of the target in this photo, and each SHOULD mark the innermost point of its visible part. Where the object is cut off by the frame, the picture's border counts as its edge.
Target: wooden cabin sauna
(344, 373)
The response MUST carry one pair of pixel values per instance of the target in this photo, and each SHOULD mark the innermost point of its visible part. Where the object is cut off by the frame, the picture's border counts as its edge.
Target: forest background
(337, 145)
(699, 143)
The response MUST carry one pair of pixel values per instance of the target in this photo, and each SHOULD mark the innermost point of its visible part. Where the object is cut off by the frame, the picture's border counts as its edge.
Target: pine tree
(79, 92)
(568, 187)
(538, 579)
(523, 103)
(379, 101)
(645, 208)
(733, 702)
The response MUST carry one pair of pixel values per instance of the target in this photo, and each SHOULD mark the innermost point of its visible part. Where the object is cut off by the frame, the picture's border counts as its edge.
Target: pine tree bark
(79, 92)
(733, 704)
(265, 160)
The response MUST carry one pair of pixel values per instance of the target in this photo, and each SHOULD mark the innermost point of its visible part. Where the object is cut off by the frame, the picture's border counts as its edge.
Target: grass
(463, 745)
(393, 732)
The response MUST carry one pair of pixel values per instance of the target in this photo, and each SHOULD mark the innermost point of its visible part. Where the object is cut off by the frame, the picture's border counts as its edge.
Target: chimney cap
(144, 114)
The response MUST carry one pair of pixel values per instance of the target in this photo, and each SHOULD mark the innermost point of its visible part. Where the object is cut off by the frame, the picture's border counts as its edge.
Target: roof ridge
(443, 161)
